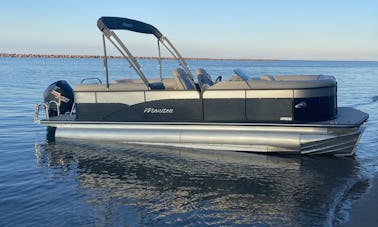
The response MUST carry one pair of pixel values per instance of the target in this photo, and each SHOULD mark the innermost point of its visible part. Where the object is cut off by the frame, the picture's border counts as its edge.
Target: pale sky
(258, 29)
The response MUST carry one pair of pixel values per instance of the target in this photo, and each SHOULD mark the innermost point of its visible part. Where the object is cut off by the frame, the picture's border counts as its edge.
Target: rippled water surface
(69, 183)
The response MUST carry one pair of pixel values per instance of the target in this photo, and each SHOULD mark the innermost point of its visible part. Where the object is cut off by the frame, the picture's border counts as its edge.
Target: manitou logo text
(158, 110)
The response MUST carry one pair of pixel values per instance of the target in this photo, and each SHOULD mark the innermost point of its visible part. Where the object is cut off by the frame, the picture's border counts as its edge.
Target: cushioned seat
(182, 80)
(204, 79)
(292, 82)
(278, 82)
(239, 75)
(112, 87)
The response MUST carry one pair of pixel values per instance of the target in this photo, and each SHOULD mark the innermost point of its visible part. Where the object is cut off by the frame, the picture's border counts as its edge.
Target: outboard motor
(61, 93)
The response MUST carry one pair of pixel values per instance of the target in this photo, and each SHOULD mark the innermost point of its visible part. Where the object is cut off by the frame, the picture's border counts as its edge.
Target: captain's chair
(182, 80)
(204, 79)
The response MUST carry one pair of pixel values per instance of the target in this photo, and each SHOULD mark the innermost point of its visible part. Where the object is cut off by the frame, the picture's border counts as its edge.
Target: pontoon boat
(295, 114)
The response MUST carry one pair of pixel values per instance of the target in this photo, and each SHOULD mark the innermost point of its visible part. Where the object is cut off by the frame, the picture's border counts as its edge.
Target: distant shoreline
(8, 55)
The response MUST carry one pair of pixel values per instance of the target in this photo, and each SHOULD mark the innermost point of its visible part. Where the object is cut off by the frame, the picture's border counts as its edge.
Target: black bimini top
(118, 23)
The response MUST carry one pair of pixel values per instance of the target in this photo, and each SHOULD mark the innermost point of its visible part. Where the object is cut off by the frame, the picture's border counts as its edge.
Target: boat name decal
(158, 110)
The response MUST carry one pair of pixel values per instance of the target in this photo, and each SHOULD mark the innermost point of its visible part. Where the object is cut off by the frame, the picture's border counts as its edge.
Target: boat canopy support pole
(159, 61)
(176, 54)
(126, 53)
(105, 62)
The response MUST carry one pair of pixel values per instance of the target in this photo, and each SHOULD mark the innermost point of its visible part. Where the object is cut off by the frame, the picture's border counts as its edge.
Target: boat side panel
(224, 110)
(166, 110)
(272, 110)
(300, 105)
(138, 106)
(225, 105)
(317, 109)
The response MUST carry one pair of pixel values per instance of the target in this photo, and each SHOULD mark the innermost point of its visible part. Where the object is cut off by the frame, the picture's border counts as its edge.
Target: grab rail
(57, 106)
(36, 111)
(46, 107)
(91, 78)
(73, 108)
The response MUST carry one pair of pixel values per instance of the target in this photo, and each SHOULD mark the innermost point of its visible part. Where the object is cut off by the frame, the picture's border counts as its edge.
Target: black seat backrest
(239, 75)
(182, 80)
(204, 79)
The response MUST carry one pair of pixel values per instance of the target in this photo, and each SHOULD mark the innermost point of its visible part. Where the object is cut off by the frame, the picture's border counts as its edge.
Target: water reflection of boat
(287, 114)
(187, 186)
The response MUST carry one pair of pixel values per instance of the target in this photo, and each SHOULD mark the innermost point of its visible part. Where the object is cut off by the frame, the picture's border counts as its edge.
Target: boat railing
(91, 78)
(46, 107)
(57, 104)
(38, 108)
(73, 108)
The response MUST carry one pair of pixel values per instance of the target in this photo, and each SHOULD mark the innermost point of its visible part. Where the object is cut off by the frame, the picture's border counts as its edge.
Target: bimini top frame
(108, 24)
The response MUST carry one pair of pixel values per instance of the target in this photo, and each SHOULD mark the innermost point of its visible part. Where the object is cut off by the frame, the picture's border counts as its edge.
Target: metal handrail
(73, 108)
(46, 107)
(36, 111)
(91, 78)
(57, 105)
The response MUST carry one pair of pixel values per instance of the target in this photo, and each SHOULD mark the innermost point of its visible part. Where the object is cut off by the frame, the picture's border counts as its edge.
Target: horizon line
(77, 56)
(14, 55)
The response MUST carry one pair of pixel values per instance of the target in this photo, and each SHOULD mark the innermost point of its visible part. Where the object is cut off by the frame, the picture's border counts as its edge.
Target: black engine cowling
(62, 93)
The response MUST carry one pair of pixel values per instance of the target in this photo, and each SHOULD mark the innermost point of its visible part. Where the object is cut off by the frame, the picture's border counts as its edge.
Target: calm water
(71, 184)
